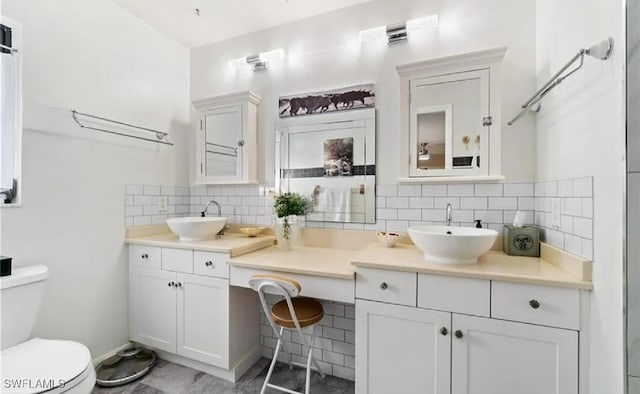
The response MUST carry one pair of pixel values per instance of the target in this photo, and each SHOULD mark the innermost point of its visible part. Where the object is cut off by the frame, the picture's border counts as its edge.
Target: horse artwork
(352, 97)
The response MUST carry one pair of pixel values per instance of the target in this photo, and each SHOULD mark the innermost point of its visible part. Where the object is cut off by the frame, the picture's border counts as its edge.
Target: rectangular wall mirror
(330, 159)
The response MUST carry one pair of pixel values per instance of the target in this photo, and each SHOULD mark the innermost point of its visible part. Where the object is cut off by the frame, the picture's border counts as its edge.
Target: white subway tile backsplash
(526, 203)
(420, 202)
(518, 189)
(473, 203)
(488, 189)
(409, 190)
(565, 188)
(397, 202)
(133, 189)
(460, 190)
(387, 190)
(575, 232)
(572, 206)
(494, 217)
(150, 190)
(503, 203)
(587, 207)
(409, 214)
(441, 202)
(583, 227)
(434, 190)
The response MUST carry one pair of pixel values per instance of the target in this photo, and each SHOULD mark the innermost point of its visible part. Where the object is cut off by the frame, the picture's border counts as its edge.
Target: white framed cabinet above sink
(227, 139)
(450, 118)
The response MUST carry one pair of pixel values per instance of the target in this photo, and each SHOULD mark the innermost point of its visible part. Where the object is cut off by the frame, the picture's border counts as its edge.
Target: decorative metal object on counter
(125, 367)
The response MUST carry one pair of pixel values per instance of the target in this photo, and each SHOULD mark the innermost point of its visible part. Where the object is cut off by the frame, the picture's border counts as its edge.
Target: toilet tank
(20, 296)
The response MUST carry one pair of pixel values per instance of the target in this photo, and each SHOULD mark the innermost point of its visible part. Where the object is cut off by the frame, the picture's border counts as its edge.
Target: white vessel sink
(452, 245)
(196, 228)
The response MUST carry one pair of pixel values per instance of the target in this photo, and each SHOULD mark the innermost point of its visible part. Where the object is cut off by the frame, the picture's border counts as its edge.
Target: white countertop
(494, 265)
(232, 243)
(324, 262)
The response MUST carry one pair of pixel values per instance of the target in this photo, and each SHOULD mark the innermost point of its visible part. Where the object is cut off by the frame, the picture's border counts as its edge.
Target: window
(10, 112)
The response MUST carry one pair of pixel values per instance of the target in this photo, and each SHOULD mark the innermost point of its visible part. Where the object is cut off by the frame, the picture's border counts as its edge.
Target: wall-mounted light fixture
(257, 62)
(399, 32)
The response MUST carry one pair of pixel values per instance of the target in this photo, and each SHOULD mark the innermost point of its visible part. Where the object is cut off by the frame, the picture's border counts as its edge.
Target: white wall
(324, 52)
(581, 132)
(98, 58)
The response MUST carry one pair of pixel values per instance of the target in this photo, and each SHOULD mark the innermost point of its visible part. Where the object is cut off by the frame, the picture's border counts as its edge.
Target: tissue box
(521, 241)
(5, 266)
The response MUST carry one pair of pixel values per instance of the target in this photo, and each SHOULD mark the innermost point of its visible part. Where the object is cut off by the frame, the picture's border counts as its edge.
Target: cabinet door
(501, 357)
(448, 132)
(401, 349)
(203, 329)
(153, 308)
(223, 141)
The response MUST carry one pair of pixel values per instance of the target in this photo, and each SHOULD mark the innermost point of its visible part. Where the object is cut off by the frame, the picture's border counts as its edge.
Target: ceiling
(220, 20)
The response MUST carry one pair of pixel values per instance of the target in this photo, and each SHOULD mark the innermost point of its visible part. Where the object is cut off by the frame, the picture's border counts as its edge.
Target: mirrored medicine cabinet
(226, 142)
(450, 111)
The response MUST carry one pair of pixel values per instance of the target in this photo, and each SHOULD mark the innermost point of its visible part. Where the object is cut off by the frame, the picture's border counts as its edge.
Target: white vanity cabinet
(464, 336)
(187, 314)
(491, 356)
(227, 139)
(401, 349)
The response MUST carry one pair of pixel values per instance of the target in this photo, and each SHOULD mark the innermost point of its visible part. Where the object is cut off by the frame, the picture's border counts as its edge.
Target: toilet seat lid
(39, 365)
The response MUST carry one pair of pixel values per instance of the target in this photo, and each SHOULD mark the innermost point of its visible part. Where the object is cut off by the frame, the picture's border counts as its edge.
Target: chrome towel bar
(161, 136)
(601, 51)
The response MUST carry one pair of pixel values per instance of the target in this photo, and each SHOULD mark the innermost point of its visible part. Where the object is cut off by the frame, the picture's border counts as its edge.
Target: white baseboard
(232, 375)
(110, 353)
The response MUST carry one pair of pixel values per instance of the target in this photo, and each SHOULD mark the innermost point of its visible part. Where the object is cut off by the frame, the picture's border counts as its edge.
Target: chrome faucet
(204, 211)
(449, 209)
(204, 214)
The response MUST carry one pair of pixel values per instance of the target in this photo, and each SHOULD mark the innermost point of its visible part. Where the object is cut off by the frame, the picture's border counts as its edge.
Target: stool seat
(308, 311)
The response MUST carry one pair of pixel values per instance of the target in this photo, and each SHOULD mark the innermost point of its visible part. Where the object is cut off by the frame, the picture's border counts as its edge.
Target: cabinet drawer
(460, 295)
(386, 286)
(549, 306)
(144, 256)
(211, 264)
(178, 260)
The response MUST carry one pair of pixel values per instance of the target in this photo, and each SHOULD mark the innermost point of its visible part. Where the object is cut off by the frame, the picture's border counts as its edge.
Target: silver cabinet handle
(384, 286)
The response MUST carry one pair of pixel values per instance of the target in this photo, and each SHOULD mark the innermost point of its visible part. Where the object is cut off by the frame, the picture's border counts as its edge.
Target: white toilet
(36, 365)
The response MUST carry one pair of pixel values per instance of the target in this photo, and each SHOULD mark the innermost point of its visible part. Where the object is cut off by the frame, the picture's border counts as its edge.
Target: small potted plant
(288, 207)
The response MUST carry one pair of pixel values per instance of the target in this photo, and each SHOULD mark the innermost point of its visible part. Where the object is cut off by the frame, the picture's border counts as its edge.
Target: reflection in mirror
(223, 133)
(434, 128)
(447, 116)
(330, 159)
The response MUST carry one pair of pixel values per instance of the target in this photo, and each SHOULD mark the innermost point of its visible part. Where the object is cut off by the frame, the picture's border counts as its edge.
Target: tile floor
(172, 378)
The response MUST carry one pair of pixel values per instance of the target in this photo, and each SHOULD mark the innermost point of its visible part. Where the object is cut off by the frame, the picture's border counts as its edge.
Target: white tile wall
(575, 232)
(142, 204)
(334, 347)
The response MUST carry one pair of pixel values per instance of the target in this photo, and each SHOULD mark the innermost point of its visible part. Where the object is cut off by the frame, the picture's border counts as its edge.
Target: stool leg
(273, 362)
(313, 359)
